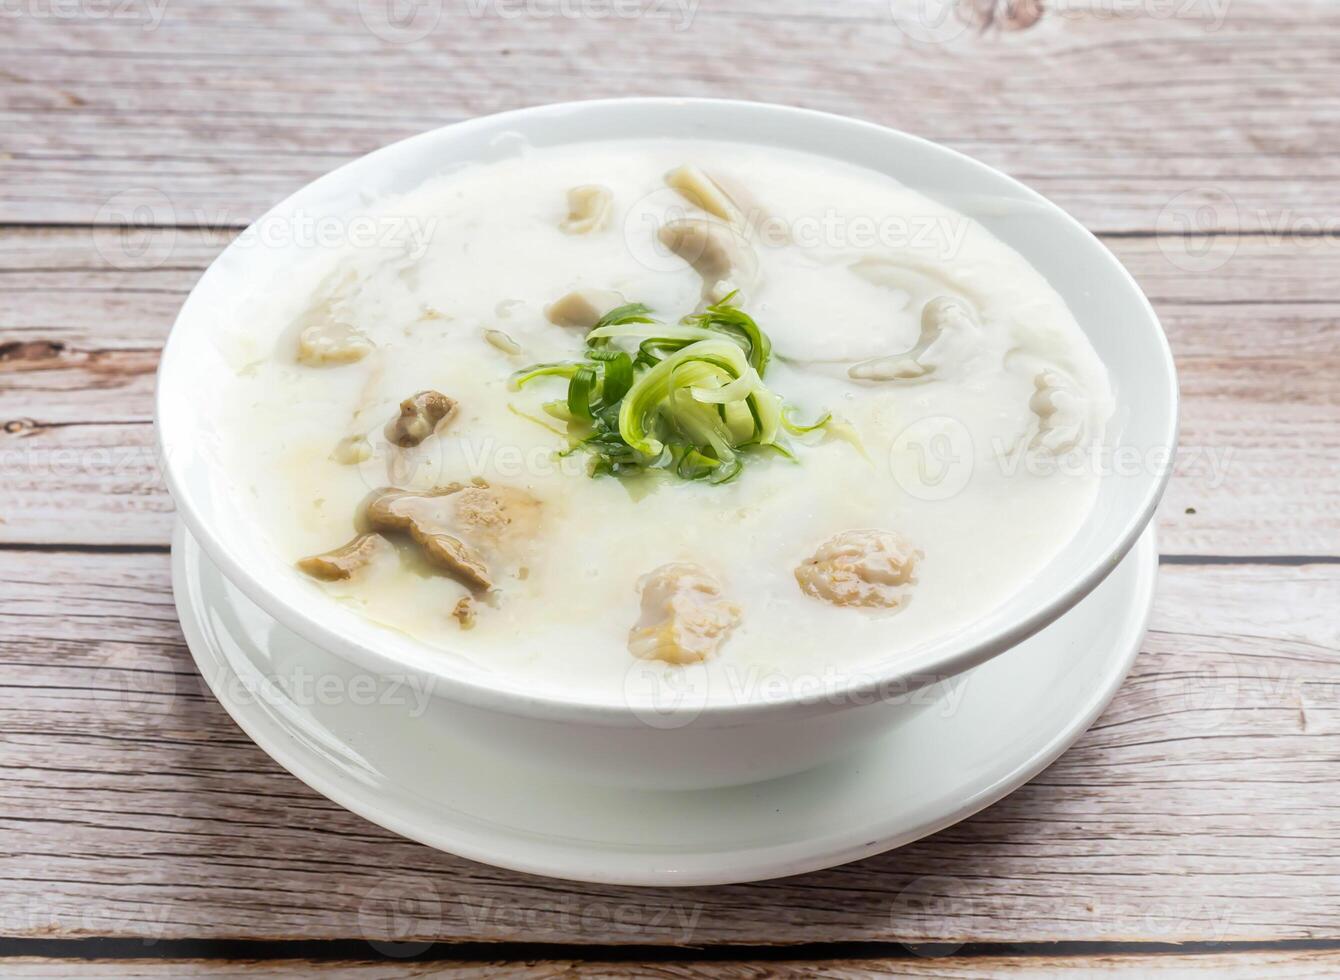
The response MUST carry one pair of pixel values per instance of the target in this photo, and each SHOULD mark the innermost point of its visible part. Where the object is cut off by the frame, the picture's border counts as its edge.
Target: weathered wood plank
(1201, 807)
(1255, 339)
(60, 484)
(1128, 115)
(1246, 965)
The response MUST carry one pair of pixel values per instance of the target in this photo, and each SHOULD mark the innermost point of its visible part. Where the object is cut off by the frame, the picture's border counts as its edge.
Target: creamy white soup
(789, 416)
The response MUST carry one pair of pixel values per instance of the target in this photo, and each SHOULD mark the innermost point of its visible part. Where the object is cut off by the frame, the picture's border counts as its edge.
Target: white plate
(367, 744)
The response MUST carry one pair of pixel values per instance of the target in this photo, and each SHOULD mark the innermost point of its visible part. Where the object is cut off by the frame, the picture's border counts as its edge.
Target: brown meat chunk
(419, 417)
(464, 612)
(341, 563)
(457, 526)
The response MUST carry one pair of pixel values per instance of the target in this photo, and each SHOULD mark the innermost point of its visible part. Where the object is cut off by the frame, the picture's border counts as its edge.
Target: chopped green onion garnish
(799, 430)
(691, 400)
(564, 370)
(740, 326)
(582, 391)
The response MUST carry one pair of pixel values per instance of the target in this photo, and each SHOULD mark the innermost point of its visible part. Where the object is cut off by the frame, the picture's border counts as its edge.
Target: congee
(703, 405)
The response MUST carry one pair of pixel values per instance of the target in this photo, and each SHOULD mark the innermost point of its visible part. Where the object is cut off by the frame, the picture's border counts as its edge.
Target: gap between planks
(527, 962)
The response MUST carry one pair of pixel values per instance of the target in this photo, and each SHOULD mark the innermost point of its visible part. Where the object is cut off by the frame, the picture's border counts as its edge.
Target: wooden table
(1195, 828)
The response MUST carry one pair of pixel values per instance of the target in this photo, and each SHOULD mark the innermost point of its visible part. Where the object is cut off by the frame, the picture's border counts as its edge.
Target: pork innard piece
(911, 273)
(727, 198)
(419, 417)
(684, 617)
(499, 340)
(458, 527)
(589, 209)
(716, 251)
(464, 612)
(1061, 409)
(949, 335)
(326, 334)
(868, 568)
(352, 450)
(342, 562)
(582, 307)
(496, 514)
(699, 189)
(355, 447)
(332, 341)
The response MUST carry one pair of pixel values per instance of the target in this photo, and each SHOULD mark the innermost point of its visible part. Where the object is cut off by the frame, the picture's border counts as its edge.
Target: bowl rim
(873, 684)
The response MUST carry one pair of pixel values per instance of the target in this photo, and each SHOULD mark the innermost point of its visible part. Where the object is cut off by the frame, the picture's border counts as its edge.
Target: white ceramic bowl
(645, 738)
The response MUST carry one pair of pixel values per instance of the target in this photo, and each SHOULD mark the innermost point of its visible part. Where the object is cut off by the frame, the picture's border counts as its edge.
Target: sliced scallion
(690, 398)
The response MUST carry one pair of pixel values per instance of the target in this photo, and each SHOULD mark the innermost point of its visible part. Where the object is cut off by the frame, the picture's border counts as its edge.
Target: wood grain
(1201, 807)
(1255, 341)
(1199, 136)
(1246, 965)
(1131, 115)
